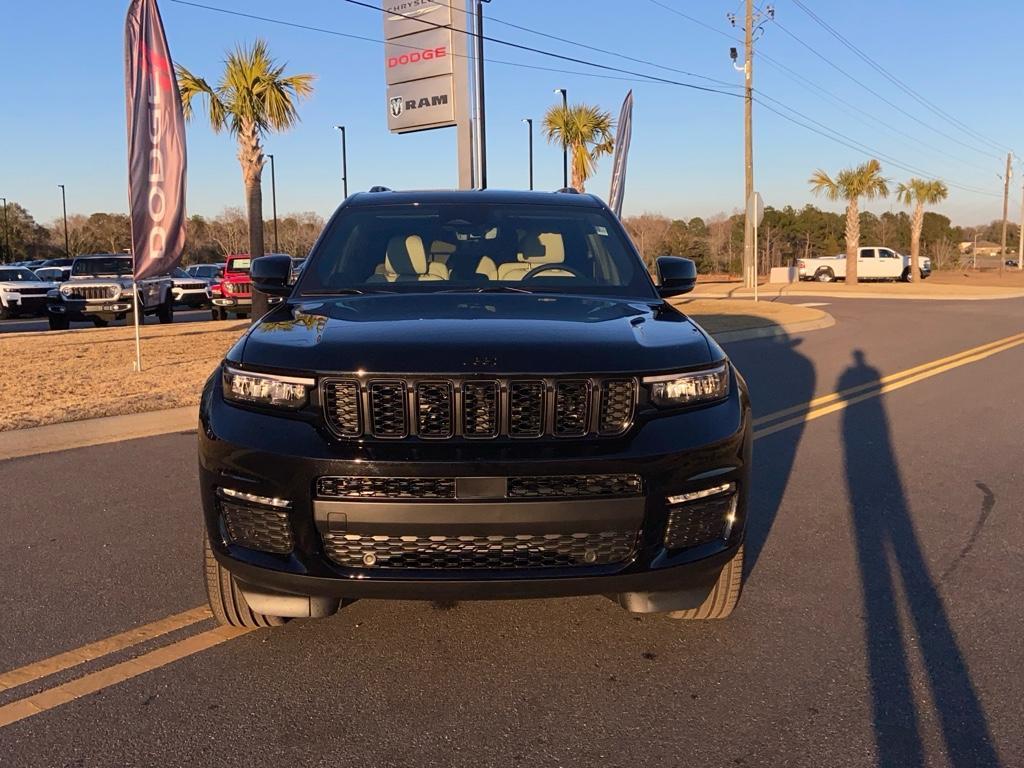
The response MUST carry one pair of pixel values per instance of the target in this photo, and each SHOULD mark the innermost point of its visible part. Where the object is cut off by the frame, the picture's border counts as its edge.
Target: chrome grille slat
(471, 407)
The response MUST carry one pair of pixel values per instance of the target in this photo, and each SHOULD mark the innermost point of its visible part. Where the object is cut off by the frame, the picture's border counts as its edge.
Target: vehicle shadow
(887, 547)
(778, 377)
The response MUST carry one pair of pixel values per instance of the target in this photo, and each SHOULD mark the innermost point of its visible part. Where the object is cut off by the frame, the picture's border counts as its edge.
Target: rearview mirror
(270, 275)
(676, 276)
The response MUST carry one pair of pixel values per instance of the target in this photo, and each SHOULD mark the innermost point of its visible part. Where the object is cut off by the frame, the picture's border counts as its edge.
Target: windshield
(179, 272)
(103, 266)
(17, 275)
(239, 265)
(449, 247)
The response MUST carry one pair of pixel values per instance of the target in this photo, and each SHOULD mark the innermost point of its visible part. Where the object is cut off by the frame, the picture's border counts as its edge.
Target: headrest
(406, 256)
(541, 248)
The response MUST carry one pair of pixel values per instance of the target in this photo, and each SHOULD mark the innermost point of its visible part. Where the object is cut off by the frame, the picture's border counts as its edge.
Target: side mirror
(676, 276)
(270, 275)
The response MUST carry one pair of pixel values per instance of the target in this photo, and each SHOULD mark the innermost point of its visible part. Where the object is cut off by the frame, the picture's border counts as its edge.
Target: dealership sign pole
(156, 151)
(426, 67)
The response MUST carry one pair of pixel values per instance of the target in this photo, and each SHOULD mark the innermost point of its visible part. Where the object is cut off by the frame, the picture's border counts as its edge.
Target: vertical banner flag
(623, 133)
(156, 144)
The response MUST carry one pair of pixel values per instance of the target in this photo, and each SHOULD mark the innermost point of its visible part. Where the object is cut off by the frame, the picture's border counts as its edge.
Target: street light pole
(64, 204)
(529, 128)
(273, 197)
(344, 161)
(565, 147)
(478, 76)
(7, 233)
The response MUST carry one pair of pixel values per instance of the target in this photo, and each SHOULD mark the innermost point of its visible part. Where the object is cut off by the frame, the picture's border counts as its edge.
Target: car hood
(14, 285)
(475, 333)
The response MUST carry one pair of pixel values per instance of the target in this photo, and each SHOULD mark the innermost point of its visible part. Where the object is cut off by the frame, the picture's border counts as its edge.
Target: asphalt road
(881, 622)
(22, 324)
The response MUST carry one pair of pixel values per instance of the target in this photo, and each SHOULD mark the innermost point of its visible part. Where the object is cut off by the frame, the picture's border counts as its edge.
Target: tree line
(208, 239)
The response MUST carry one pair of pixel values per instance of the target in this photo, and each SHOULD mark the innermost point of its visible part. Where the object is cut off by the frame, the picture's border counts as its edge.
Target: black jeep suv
(473, 395)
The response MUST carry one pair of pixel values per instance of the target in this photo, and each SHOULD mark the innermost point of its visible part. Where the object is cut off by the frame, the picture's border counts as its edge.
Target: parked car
(54, 274)
(58, 263)
(209, 272)
(873, 263)
(1011, 262)
(473, 395)
(188, 290)
(232, 293)
(100, 290)
(22, 292)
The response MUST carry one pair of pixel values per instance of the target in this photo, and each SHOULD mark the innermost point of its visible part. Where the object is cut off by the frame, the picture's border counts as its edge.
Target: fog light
(700, 517)
(266, 501)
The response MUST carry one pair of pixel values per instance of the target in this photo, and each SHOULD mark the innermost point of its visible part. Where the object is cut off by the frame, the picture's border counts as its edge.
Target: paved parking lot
(880, 623)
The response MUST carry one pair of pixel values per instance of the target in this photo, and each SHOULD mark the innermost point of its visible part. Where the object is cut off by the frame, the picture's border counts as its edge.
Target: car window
(867, 253)
(113, 266)
(239, 265)
(885, 253)
(18, 275)
(410, 248)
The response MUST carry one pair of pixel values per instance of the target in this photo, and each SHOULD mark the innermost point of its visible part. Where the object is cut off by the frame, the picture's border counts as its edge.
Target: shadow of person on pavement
(887, 547)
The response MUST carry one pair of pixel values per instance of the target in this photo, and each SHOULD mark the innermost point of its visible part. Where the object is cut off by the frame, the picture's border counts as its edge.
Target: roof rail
(568, 191)
(379, 188)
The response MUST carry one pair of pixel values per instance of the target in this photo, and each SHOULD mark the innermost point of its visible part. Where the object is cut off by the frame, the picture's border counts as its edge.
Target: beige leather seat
(406, 261)
(535, 249)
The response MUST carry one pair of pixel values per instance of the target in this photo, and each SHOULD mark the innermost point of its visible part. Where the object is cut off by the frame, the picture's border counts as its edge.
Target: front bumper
(191, 298)
(282, 458)
(81, 309)
(21, 303)
(230, 302)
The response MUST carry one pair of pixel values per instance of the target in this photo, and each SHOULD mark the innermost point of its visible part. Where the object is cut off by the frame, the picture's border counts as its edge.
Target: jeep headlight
(265, 388)
(67, 290)
(689, 388)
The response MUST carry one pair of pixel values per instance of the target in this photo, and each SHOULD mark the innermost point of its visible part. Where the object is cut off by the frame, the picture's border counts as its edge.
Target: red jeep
(233, 292)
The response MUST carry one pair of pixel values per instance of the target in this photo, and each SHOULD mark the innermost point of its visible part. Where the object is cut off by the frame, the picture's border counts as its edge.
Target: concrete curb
(107, 429)
(771, 294)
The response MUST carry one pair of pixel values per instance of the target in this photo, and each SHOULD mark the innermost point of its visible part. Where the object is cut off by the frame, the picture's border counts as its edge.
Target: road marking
(839, 401)
(125, 670)
(104, 678)
(813, 304)
(834, 396)
(101, 648)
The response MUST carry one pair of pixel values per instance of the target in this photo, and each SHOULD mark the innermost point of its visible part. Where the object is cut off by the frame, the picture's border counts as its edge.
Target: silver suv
(100, 290)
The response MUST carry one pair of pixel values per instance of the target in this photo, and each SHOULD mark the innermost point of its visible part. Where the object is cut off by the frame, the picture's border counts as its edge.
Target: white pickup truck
(873, 263)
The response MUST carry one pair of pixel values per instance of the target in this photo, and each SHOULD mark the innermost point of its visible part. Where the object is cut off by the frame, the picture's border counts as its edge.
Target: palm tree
(851, 184)
(253, 98)
(586, 131)
(919, 193)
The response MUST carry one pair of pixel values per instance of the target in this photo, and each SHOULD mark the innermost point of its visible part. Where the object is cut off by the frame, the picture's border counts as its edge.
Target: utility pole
(1020, 245)
(529, 128)
(344, 161)
(7, 232)
(1006, 202)
(753, 28)
(64, 204)
(565, 147)
(273, 197)
(478, 78)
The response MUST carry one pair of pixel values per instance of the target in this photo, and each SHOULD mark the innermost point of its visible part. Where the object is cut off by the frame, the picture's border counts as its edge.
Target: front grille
(94, 292)
(32, 291)
(545, 550)
(386, 487)
(238, 286)
(698, 522)
(478, 408)
(255, 527)
(576, 486)
(193, 286)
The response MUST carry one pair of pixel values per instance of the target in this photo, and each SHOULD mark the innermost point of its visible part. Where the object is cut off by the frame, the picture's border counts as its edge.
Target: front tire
(165, 314)
(58, 322)
(227, 603)
(724, 595)
(99, 322)
(905, 277)
(825, 275)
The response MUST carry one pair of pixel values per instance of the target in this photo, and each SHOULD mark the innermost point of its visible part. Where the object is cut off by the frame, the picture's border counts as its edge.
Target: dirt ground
(52, 377)
(1011, 277)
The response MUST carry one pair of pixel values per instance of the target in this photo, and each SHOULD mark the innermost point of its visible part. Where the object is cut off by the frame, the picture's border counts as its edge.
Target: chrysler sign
(419, 63)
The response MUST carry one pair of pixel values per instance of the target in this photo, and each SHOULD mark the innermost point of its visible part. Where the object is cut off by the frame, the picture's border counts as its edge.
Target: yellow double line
(125, 670)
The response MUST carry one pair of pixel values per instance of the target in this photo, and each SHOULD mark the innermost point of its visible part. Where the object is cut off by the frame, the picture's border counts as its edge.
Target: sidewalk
(918, 291)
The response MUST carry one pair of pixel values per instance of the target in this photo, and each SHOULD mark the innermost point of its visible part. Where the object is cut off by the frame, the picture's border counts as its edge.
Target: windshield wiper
(337, 292)
(488, 289)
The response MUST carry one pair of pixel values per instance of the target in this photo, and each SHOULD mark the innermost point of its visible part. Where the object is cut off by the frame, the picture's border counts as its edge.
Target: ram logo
(397, 105)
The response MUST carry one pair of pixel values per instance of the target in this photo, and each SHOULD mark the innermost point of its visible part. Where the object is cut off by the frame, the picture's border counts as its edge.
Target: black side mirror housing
(270, 275)
(676, 276)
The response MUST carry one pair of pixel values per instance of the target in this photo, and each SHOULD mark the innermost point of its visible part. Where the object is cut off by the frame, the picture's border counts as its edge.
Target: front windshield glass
(239, 265)
(102, 266)
(450, 247)
(17, 275)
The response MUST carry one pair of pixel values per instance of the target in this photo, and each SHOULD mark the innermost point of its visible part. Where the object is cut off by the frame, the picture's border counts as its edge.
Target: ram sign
(419, 64)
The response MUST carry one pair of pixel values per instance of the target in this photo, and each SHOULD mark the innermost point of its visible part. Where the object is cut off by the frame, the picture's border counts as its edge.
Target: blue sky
(63, 120)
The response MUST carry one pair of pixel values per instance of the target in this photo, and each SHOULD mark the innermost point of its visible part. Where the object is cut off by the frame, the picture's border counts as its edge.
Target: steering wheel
(549, 267)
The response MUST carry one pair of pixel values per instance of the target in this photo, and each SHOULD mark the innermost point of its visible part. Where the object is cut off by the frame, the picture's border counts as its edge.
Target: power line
(896, 81)
(878, 95)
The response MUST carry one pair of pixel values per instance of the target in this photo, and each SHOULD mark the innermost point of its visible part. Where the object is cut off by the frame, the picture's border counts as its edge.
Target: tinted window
(103, 266)
(17, 275)
(412, 248)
